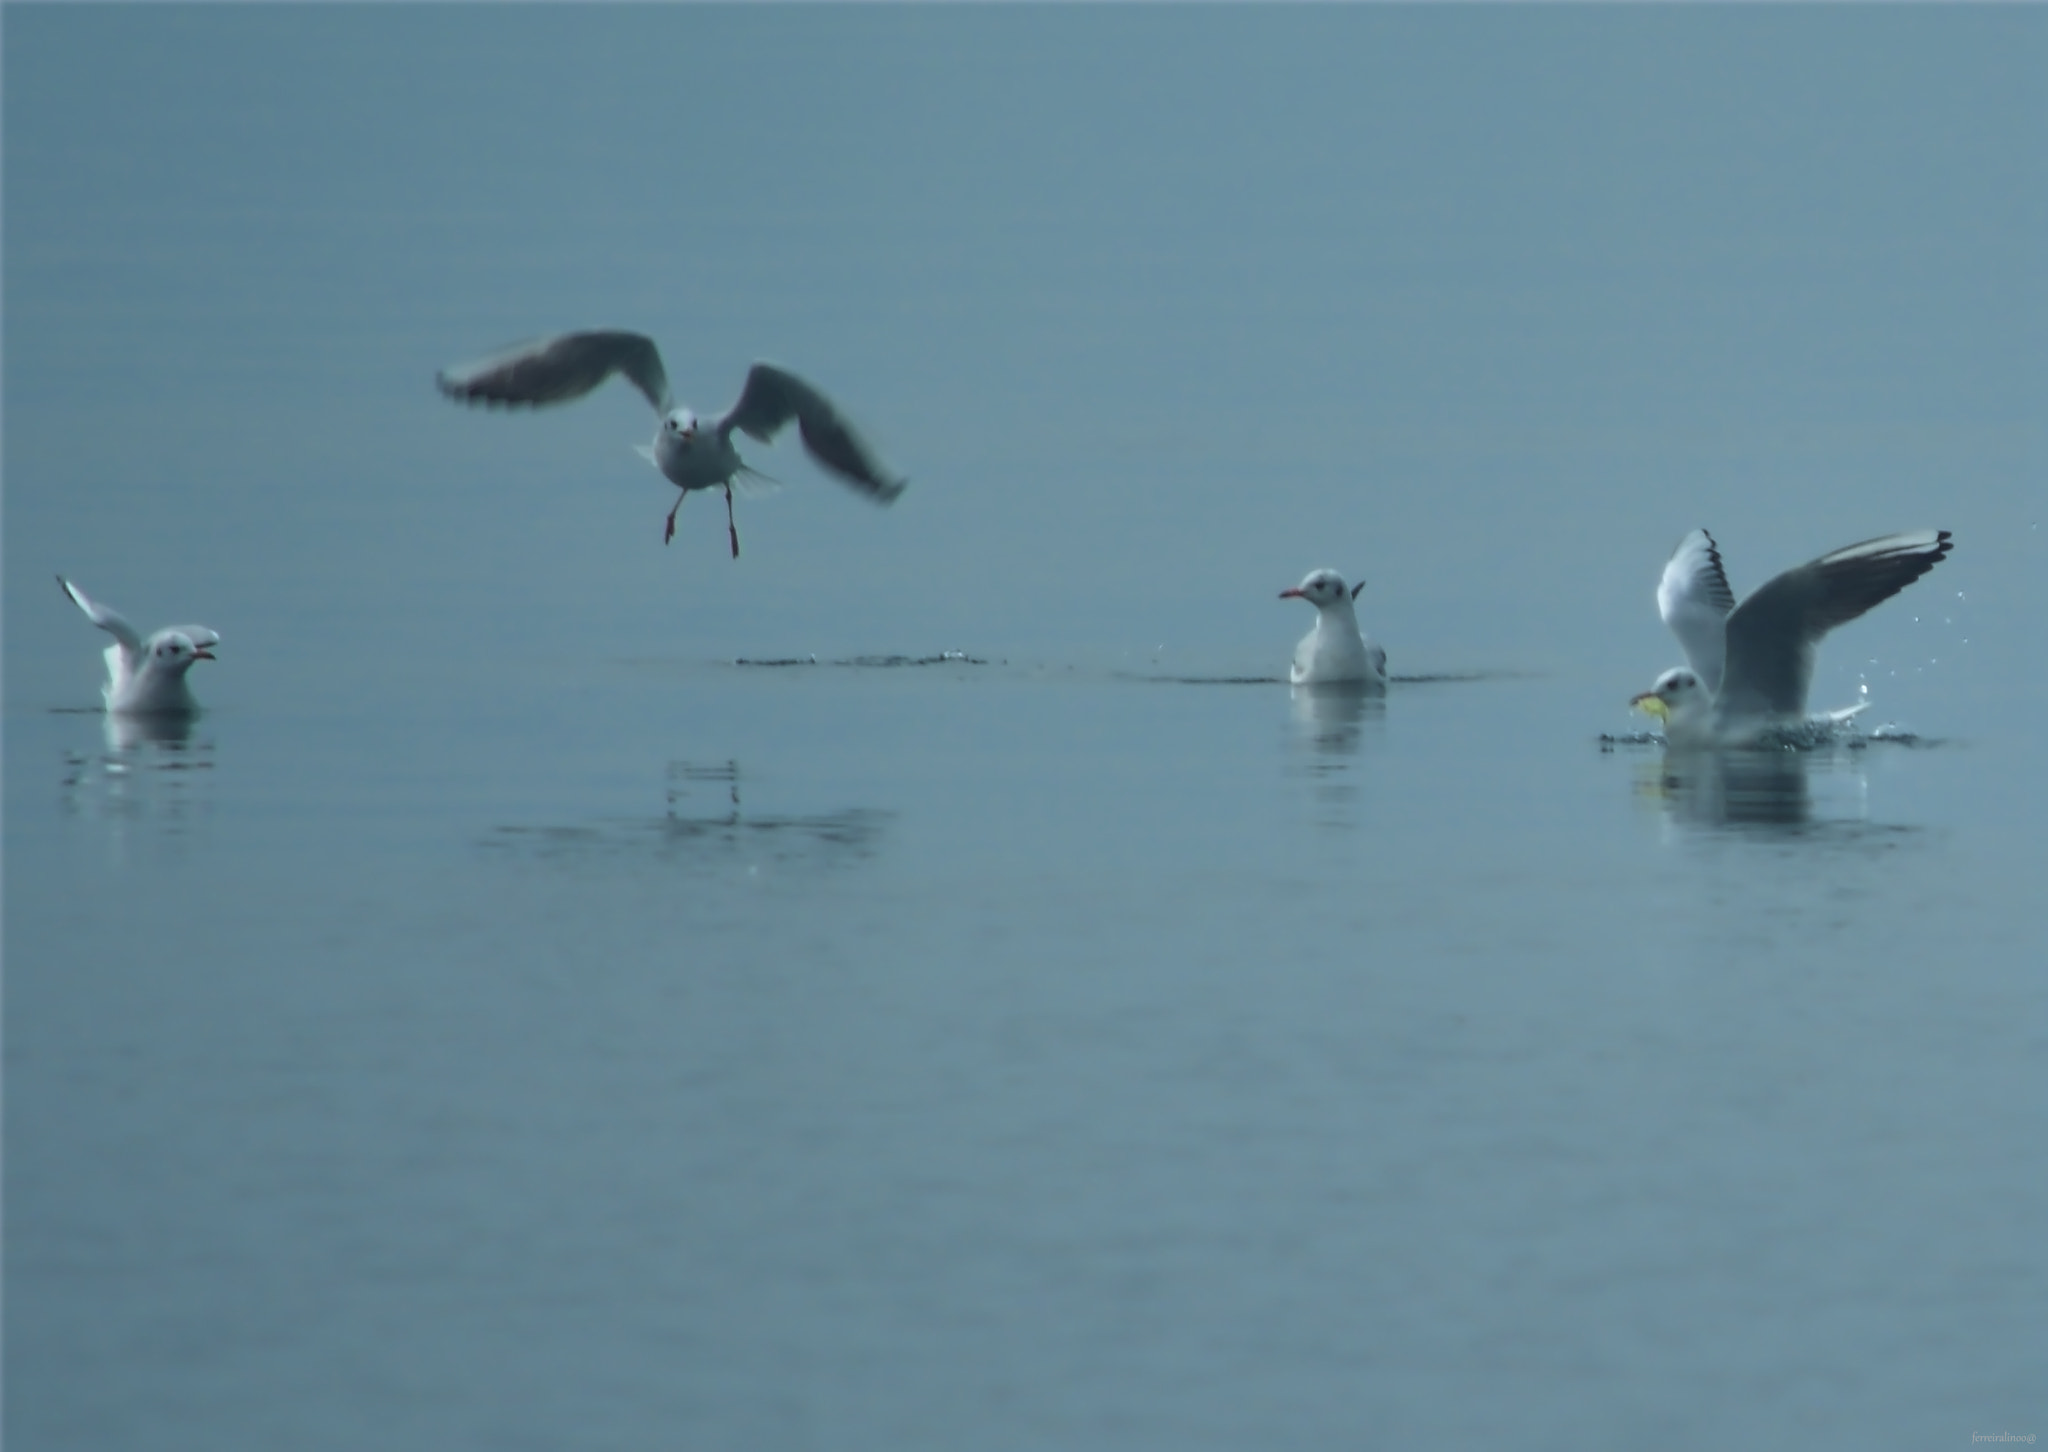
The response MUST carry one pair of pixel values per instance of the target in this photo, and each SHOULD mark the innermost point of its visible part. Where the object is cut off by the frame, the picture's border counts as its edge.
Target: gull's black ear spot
(1356, 588)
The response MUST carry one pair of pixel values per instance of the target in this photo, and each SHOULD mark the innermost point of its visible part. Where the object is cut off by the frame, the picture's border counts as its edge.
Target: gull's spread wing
(1772, 634)
(773, 396)
(557, 369)
(111, 621)
(1694, 599)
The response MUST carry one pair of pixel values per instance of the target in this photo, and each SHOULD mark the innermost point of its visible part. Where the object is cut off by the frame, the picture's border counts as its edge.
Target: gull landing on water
(146, 677)
(1334, 653)
(1752, 663)
(690, 452)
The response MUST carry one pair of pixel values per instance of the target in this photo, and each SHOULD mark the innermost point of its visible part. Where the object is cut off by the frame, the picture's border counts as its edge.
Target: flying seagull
(1334, 652)
(1752, 663)
(146, 677)
(690, 452)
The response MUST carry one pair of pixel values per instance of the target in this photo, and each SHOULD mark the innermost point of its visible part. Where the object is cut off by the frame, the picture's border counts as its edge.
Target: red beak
(1292, 595)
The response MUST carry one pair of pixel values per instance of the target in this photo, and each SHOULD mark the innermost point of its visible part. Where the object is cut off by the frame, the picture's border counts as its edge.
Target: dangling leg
(670, 533)
(731, 528)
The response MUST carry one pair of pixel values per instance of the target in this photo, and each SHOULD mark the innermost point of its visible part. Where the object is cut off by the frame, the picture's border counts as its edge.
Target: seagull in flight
(1334, 652)
(1751, 663)
(146, 677)
(691, 453)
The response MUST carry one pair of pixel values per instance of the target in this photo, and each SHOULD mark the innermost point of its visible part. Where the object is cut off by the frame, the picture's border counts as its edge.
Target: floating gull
(146, 677)
(1334, 653)
(690, 453)
(1752, 663)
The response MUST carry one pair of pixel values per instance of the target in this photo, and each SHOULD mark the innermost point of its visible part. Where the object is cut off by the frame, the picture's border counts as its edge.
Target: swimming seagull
(690, 453)
(146, 677)
(1334, 652)
(1752, 663)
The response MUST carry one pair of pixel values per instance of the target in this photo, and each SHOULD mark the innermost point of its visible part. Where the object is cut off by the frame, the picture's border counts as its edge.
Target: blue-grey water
(507, 1020)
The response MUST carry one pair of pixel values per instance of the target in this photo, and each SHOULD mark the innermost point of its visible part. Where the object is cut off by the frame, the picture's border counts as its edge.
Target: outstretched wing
(561, 368)
(773, 396)
(111, 621)
(1694, 599)
(1772, 634)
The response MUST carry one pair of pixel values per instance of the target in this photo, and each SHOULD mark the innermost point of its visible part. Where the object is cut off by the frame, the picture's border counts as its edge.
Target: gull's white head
(1323, 588)
(680, 425)
(172, 652)
(1680, 701)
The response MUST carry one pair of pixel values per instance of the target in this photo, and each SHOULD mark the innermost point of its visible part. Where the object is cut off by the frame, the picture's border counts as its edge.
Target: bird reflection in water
(1330, 721)
(1766, 788)
(151, 769)
(704, 824)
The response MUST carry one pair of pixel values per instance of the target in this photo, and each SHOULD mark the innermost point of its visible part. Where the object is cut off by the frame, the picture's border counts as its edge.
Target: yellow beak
(1652, 703)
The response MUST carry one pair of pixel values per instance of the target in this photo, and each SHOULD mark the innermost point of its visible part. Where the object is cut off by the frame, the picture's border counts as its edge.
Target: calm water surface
(503, 1020)
(842, 1056)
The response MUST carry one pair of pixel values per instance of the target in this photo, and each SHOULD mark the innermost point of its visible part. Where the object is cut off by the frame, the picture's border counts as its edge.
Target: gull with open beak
(691, 453)
(1334, 652)
(146, 677)
(1751, 664)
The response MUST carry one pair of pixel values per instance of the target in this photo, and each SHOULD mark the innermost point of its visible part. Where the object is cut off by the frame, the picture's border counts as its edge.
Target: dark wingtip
(475, 396)
(462, 392)
(1944, 542)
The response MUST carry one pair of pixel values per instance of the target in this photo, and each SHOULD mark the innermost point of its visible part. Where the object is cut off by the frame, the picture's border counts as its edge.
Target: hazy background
(504, 1022)
(1157, 308)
